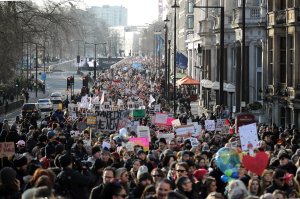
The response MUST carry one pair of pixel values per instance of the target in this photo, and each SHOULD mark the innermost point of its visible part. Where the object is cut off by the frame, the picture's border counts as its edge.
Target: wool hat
(163, 140)
(65, 160)
(142, 169)
(283, 154)
(21, 143)
(140, 152)
(50, 134)
(49, 150)
(7, 175)
(20, 161)
(200, 173)
(95, 149)
(144, 176)
(120, 171)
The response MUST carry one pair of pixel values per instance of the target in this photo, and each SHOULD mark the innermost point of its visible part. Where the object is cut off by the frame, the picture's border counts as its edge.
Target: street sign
(43, 76)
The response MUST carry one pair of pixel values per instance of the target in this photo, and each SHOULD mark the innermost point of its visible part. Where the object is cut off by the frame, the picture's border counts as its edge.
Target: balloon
(123, 133)
(224, 178)
(228, 172)
(235, 175)
(228, 160)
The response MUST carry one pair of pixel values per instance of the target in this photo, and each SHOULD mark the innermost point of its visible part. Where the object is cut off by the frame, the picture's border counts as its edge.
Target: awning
(187, 81)
(206, 83)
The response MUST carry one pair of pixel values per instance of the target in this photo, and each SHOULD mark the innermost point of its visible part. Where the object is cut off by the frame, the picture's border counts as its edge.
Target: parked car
(45, 104)
(31, 109)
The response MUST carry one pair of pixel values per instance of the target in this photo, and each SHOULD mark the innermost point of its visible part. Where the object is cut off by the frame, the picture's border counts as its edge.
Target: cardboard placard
(7, 149)
(91, 120)
(141, 142)
(167, 136)
(112, 120)
(248, 136)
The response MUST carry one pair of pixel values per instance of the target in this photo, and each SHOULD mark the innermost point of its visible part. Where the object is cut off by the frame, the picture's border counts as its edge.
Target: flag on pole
(151, 100)
(102, 97)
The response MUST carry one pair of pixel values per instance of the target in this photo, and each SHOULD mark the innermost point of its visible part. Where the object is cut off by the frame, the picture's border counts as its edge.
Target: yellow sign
(91, 120)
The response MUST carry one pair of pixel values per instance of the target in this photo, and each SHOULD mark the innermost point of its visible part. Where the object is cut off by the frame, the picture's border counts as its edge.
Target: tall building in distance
(112, 15)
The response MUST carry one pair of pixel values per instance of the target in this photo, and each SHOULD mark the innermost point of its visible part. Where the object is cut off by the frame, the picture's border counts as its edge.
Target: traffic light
(68, 82)
(78, 59)
(85, 81)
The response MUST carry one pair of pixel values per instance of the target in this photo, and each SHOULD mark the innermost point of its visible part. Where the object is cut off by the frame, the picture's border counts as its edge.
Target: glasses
(180, 171)
(122, 195)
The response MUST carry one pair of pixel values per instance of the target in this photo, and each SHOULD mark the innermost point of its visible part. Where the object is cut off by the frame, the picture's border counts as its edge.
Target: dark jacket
(289, 167)
(74, 182)
(96, 192)
(273, 187)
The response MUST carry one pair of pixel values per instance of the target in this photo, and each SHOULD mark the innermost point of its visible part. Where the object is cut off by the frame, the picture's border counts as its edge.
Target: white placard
(105, 144)
(210, 125)
(176, 123)
(248, 137)
(220, 124)
(157, 108)
(74, 133)
(161, 118)
(194, 142)
(143, 132)
(72, 108)
(185, 131)
(197, 129)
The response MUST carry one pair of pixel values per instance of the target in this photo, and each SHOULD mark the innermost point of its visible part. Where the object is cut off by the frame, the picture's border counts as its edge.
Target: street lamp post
(175, 6)
(169, 65)
(95, 61)
(36, 69)
(166, 57)
(221, 68)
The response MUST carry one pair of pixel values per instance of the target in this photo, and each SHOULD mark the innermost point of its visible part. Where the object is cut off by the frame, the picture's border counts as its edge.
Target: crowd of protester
(50, 163)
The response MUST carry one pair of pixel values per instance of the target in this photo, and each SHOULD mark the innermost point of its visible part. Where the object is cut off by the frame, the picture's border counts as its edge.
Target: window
(190, 22)
(282, 59)
(270, 60)
(258, 84)
(190, 7)
(258, 57)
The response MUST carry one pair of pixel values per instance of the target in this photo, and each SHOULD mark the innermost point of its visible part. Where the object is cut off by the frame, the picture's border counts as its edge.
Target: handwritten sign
(141, 142)
(248, 137)
(161, 118)
(184, 131)
(143, 132)
(7, 149)
(220, 124)
(210, 125)
(197, 129)
(194, 141)
(112, 120)
(157, 108)
(91, 120)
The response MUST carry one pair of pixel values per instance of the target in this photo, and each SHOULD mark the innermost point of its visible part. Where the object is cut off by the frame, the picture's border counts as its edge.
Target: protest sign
(106, 106)
(161, 118)
(7, 149)
(197, 129)
(157, 108)
(141, 142)
(248, 137)
(194, 141)
(105, 145)
(112, 120)
(167, 136)
(220, 124)
(169, 121)
(138, 113)
(72, 108)
(185, 131)
(74, 133)
(91, 120)
(129, 146)
(81, 126)
(210, 125)
(176, 123)
(143, 132)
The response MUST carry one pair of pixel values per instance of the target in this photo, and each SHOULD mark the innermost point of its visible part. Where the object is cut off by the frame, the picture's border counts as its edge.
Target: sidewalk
(40, 95)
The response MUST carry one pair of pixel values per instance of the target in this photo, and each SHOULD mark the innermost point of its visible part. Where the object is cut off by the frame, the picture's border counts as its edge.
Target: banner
(7, 149)
(143, 132)
(112, 120)
(141, 142)
(167, 136)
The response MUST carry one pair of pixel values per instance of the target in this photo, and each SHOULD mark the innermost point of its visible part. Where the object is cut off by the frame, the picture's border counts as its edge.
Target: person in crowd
(237, 190)
(143, 180)
(113, 190)
(108, 177)
(278, 181)
(95, 155)
(254, 187)
(123, 176)
(149, 192)
(157, 174)
(9, 185)
(70, 182)
(184, 186)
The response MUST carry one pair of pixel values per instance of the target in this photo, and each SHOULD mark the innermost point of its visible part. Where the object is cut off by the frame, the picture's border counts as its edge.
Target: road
(55, 82)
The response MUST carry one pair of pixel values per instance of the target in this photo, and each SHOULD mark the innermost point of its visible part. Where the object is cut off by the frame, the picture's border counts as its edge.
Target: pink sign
(161, 119)
(169, 121)
(140, 141)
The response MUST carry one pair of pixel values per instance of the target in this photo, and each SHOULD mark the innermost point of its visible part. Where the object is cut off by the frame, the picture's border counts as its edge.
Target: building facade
(281, 73)
(112, 15)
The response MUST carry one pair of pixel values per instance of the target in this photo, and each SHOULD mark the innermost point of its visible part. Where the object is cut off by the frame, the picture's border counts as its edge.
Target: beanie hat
(20, 161)
(198, 174)
(142, 169)
(99, 164)
(50, 134)
(65, 160)
(283, 154)
(163, 140)
(42, 138)
(49, 150)
(95, 149)
(7, 175)
(120, 171)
